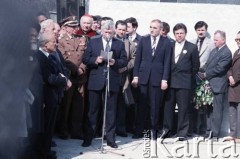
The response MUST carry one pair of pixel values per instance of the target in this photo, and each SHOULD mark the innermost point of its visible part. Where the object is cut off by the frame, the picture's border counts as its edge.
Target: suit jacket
(217, 66)
(137, 39)
(207, 47)
(183, 72)
(97, 75)
(150, 68)
(234, 71)
(54, 83)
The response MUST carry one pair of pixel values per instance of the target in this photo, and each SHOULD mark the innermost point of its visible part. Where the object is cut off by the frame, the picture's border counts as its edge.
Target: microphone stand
(107, 94)
(105, 102)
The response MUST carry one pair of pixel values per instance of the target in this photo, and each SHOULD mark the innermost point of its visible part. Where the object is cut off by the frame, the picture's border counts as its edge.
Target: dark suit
(97, 83)
(53, 89)
(151, 70)
(181, 85)
(122, 108)
(217, 66)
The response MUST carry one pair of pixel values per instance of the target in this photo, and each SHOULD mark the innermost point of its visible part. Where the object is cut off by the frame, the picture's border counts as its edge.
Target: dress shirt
(105, 43)
(132, 37)
(178, 50)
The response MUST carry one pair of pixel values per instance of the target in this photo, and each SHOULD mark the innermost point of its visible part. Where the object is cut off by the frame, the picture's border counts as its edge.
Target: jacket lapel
(100, 45)
(204, 47)
(159, 45)
(182, 54)
(235, 57)
(214, 54)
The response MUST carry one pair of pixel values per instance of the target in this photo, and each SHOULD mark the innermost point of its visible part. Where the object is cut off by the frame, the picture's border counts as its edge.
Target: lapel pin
(184, 51)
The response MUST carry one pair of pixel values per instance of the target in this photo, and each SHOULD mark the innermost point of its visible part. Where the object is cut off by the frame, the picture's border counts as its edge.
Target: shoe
(112, 144)
(122, 134)
(228, 138)
(137, 136)
(165, 134)
(53, 144)
(86, 143)
(180, 139)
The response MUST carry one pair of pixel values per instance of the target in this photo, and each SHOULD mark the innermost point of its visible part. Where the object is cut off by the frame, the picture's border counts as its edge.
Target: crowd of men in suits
(99, 70)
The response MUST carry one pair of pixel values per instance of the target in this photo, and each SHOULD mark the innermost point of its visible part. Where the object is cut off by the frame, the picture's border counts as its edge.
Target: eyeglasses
(237, 40)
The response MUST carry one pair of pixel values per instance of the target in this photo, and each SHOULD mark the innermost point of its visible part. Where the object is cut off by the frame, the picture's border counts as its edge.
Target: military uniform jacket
(72, 49)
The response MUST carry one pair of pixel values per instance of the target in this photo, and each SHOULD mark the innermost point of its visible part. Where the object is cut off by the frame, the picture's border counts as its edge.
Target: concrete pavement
(128, 148)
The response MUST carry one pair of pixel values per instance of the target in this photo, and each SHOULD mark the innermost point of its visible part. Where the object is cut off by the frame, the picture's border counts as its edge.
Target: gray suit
(218, 64)
(207, 47)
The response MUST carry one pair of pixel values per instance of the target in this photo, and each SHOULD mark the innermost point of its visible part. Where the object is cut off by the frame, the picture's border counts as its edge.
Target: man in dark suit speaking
(97, 66)
(151, 71)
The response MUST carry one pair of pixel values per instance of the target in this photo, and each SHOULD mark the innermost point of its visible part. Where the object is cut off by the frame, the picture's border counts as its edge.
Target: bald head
(86, 22)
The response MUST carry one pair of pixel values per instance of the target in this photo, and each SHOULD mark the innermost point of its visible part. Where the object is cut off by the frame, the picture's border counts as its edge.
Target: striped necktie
(154, 46)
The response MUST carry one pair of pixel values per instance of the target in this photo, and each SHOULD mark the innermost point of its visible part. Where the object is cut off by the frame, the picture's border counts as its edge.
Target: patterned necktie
(107, 48)
(153, 46)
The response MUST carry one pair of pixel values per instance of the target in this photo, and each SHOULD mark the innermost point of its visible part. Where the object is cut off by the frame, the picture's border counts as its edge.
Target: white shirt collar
(133, 36)
(105, 42)
(44, 52)
(181, 43)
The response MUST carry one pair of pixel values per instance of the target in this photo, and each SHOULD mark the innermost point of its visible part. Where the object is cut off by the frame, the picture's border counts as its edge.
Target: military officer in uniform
(71, 114)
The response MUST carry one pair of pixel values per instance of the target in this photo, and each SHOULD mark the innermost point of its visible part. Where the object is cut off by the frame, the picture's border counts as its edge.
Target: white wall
(218, 16)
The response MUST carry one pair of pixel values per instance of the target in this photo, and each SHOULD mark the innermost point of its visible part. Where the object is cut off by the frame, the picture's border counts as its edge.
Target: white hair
(44, 38)
(86, 17)
(45, 24)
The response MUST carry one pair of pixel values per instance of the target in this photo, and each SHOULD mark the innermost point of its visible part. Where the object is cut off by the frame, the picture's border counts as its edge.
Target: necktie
(130, 38)
(153, 46)
(107, 48)
(199, 45)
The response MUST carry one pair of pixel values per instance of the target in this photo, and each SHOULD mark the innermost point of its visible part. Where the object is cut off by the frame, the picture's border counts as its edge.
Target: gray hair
(86, 17)
(44, 38)
(221, 33)
(45, 24)
(158, 21)
(108, 24)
